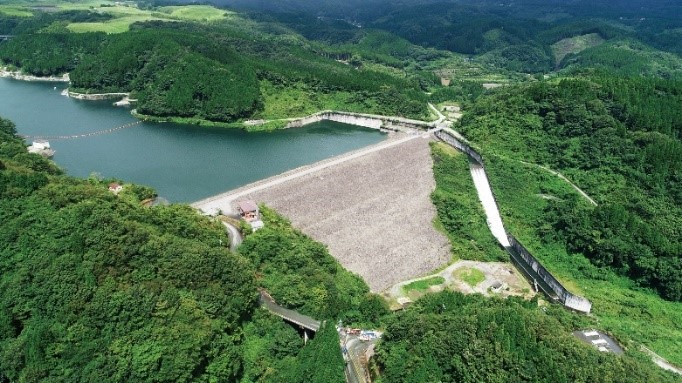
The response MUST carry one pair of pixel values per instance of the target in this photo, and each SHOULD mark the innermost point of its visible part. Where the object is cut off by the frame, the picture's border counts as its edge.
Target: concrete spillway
(485, 195)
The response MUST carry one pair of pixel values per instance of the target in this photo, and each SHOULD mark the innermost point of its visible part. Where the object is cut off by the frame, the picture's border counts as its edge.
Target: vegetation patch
(151, 286)
(196, 12)
(116, 25)
(471, 276)
(451, 337)
(423, 285)
(573, 45)
(460, 213)
(300, 274)
(16, 11)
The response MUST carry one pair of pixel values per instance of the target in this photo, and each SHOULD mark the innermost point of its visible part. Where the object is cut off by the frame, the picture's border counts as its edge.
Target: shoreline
(18, 75)
(373, 121)
(96, 96)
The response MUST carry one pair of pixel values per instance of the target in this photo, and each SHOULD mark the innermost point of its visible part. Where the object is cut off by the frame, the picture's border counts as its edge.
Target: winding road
(234, 235)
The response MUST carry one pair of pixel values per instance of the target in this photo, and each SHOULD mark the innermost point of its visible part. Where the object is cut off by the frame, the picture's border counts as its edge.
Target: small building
(41, 147)
(115, 187)
(248, 210)
(497, 287)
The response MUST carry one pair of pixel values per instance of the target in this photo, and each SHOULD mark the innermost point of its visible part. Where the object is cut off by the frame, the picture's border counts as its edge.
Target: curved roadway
(234, 235)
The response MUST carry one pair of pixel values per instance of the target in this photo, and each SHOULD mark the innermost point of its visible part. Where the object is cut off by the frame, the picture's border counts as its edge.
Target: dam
(371, 207)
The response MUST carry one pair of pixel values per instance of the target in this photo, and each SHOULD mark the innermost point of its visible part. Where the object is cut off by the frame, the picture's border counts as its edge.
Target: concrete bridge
(6, 37)
(305, 322)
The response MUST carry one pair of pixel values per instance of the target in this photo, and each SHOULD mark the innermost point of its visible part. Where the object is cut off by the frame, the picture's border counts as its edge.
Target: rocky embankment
(97, 96)
(18, 75)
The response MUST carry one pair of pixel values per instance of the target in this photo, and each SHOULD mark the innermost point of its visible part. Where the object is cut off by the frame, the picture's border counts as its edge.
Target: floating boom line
(83, 135)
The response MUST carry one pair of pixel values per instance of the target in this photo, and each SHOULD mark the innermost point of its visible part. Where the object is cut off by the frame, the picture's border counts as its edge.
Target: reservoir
(184, 163)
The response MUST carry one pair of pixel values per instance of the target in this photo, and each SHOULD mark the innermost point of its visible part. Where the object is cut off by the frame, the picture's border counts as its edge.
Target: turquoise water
(184, 163)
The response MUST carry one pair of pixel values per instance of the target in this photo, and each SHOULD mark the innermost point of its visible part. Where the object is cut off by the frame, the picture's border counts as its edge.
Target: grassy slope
(12, 10)
(125, 16)
(628, 57)
(289, 102)
(575, 44)
(632, 314)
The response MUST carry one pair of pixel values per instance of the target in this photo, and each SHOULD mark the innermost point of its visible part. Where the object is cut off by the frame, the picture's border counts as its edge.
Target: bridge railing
(287, 314)
(459, 145)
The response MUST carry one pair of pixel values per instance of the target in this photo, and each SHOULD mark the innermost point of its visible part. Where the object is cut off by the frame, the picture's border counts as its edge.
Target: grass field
(632, 314)
(18, 11)
(117, 25)
(124, 16)
(298, 102)
(423, 284)
(575, 45)
(470, 276)
(196, 12)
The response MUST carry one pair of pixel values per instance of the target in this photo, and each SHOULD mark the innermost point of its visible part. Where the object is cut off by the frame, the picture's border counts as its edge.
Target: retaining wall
(520, 256)
(359, 119)
(459, 145)
(540, 274)
(96, 96)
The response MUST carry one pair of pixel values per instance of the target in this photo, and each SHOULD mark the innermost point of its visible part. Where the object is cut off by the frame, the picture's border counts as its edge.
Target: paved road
(661, 362)
(441, 116)
(235, 236)
(356, 371)
(289, 315)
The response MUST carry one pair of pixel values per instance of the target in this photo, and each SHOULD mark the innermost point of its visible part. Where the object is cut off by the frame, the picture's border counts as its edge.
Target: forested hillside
(619, 140)
(450, 337)
(96, 287)
(301, 274)
(217, 72)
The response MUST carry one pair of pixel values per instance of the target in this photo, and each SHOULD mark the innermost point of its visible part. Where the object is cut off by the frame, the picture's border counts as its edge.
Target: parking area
(599, 340)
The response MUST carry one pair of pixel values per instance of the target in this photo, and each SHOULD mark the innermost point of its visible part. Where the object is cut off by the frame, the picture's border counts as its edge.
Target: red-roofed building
(115, 187)
(248, 210)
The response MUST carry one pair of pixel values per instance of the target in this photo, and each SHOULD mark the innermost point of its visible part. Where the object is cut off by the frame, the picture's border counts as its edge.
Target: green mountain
(97, 287)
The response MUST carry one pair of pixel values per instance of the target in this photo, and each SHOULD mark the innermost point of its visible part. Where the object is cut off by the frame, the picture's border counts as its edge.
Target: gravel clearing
(502, 274)
(374, 212)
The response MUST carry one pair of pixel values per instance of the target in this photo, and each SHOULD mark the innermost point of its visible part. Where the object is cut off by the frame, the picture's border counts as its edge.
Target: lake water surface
(184, 163)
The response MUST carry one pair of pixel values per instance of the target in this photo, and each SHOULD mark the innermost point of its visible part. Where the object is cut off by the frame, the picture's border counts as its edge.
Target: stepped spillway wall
(522, 258)
(522, 255)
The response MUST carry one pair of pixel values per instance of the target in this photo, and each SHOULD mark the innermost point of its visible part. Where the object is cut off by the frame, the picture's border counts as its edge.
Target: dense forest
(211, 73)
(94, 286)
(451, 337)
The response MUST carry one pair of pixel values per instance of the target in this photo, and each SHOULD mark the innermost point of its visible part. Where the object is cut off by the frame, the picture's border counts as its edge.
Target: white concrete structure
(485, 195)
